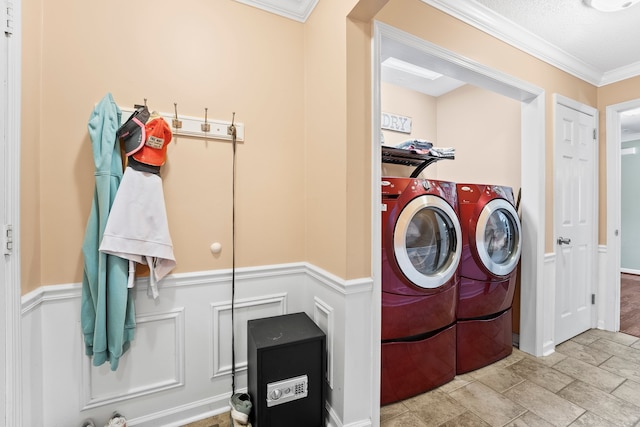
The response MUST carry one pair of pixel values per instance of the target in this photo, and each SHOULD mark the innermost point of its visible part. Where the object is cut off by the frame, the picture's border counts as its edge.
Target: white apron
(137, 228)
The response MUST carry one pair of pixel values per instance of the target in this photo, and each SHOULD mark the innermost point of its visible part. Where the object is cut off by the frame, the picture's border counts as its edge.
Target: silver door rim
(507, 267)
(399, 240)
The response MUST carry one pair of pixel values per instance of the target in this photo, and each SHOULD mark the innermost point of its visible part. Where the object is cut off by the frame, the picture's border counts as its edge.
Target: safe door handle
(563, 241)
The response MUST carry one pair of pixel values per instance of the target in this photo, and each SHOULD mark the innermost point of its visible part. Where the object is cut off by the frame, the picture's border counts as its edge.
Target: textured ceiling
(598, 47)
(606, 41)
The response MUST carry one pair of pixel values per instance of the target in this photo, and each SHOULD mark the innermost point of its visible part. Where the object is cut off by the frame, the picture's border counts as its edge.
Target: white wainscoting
(605, 300)
(178, 369)
(549, 304)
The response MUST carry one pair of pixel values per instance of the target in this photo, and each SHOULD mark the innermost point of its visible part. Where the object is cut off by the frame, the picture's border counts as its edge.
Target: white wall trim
(602, 301)
(620, 74)
(175, 378)
(610, 317)
(43, 294)
(298, 10)
(549, 300)
(533, 150)
(344, 287)
(202, 408)
(10, 333)
(324, 317)
(630, 137)
(334, 421)
(276, 306)
(498, 26)
(196, 308)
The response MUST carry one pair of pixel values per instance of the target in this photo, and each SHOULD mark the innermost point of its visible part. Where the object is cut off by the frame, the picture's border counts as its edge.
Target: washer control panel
(287, 390)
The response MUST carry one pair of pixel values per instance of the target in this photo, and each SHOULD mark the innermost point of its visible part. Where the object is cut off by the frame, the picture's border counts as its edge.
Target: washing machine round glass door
(498, 237)
(427, 241)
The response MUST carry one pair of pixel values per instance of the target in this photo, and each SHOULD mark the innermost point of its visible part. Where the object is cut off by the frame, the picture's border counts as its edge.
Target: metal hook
(205, 127)
(177, 124)
(231, 129)
(145, 102)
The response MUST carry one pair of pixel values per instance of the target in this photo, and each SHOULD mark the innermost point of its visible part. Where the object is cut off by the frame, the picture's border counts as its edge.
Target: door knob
(563, 241)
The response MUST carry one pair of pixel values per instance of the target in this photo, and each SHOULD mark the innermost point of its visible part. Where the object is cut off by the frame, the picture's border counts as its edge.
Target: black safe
(286, 371)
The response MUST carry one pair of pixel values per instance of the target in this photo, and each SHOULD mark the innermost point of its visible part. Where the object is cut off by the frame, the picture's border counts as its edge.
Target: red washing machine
(491, 248)
(421, 249)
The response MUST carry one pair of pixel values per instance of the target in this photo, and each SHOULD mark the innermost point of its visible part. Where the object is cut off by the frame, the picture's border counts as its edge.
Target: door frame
(10, 293)
(534, 329)
(594, 113)
(609, 312)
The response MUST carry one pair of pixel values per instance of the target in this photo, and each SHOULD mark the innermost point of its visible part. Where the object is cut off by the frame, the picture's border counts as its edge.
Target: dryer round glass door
(498, 237)
(427, 241)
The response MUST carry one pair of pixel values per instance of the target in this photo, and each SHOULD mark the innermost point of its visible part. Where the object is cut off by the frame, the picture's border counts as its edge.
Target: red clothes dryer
(421, 249)
(491, 248)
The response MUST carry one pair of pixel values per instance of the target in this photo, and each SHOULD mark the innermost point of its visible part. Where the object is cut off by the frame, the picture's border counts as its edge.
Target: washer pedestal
(413, 367)
(482, 342)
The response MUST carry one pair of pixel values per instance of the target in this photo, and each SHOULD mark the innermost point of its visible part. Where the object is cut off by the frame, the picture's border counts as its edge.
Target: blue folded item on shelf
(420, 146)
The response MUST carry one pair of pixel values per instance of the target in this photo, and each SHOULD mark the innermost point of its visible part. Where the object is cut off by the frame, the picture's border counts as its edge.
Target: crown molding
(622, 73)
(503, 29)
(298, 10)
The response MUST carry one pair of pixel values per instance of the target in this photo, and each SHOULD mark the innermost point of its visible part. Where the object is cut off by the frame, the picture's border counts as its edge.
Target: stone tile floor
(591, 380)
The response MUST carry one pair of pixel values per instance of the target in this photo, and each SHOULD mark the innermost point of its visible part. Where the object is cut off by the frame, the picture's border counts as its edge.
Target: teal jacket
(107, 312)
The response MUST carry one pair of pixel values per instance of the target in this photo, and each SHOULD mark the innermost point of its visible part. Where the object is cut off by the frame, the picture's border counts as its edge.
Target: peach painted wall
(302, 90)
(484, 129)
(222, 55)
(422, 110)
(338, 140)
(428, 23)
(30, 229)
(482, 126)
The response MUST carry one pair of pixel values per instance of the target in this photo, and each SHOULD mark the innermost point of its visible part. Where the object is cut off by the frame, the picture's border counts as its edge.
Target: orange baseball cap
(154, 150)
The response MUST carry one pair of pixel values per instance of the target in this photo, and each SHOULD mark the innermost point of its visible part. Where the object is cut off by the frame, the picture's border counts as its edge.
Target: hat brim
(132, 133)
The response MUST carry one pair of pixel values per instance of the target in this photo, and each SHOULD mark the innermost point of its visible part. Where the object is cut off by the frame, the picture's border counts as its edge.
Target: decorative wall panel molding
(178, 367)
(245, 310)
(153, 364)
(324, 318)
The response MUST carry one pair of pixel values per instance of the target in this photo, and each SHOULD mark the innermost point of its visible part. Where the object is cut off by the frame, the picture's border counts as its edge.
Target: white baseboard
(178, 368)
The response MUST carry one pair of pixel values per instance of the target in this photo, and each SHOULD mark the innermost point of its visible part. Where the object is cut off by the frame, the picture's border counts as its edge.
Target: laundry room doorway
(532, 144)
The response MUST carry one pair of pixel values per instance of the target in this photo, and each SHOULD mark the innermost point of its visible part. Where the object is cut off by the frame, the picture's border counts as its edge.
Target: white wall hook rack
(191, 126)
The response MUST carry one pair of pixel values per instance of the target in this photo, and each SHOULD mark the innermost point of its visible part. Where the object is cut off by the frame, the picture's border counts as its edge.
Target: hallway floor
(591, 380)
(629, 303)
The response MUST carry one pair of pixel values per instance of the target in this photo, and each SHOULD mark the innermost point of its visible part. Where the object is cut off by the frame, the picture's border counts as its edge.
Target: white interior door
(575, 216)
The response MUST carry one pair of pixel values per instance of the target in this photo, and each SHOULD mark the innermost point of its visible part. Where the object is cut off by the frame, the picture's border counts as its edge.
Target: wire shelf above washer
(399, 156)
